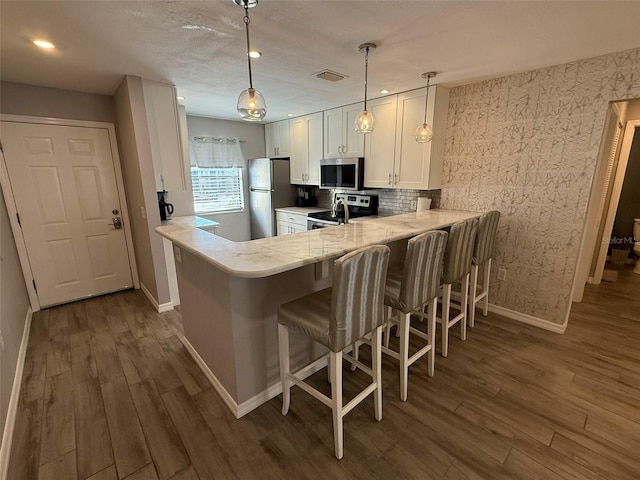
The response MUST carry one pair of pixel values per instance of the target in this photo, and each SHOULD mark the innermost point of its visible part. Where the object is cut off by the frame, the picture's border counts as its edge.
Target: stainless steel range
(345, 206)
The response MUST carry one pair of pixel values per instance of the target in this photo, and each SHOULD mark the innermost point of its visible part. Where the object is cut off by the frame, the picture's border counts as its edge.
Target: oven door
(314, 224)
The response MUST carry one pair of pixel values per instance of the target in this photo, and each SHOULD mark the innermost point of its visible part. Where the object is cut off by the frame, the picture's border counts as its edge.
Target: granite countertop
(189, 221)
(270, 256)
(302, 210)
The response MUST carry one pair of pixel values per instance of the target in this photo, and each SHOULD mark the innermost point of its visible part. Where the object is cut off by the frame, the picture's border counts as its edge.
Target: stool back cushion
(457, 256)
(423, 264)
(487, 228)
(357, 297)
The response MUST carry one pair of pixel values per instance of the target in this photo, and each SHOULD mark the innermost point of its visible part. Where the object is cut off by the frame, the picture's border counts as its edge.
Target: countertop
(302, 210)
(270, 256)
(189, 221)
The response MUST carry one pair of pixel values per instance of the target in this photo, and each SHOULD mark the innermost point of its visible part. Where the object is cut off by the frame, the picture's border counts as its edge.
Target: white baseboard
(160, 308)
(247, 406)
(528, 319)
(12, 410)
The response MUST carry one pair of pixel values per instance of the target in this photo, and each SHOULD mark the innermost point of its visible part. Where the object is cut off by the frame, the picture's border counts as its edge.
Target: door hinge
(34, 286)
(19, 223)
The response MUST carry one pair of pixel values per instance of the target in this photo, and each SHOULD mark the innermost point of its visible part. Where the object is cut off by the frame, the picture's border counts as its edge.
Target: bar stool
(336, 317)
(482, 255)
(457, 267)
(407, 292)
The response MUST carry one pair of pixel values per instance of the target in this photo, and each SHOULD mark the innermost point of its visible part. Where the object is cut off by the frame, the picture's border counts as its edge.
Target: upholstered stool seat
(482, 256)
(337, 317)
(407, 292)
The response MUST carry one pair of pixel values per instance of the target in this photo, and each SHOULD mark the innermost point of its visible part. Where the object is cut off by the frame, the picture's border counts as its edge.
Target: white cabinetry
(288, 223)
(164, 132)
(340, 138)
(277, 138)
(412, 165)
(306, 149)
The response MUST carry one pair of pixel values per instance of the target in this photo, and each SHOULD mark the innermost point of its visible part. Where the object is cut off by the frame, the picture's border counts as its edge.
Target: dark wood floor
(109, 392)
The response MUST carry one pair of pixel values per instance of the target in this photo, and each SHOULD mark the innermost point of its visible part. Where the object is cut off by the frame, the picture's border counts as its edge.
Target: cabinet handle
(389, 179)
(395, 178)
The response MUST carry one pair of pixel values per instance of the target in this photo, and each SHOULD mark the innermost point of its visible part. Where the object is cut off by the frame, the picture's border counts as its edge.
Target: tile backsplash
(390, 201)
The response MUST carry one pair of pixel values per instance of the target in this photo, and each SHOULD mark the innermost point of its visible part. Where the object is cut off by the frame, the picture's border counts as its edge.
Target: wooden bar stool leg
(376, 367)
(473, 292)
(283, 347)
(403, 326)
(463, 306)
(335, 367)
(485, 287)
(446, 305)
(431, 333)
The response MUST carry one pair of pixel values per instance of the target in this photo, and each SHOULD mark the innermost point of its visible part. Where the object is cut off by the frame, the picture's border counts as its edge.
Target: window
(217, 189)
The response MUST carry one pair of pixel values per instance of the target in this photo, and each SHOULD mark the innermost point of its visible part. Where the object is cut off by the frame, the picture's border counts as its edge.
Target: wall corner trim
(160, 308)
(528, 319)
(12, 411)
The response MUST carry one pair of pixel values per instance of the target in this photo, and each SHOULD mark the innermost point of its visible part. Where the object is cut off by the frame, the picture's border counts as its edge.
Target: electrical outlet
(502, 274)
(414, 204)
(143, 212)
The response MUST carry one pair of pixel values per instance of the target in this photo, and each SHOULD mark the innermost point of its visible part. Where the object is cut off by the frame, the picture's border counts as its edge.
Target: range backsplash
(391, 201)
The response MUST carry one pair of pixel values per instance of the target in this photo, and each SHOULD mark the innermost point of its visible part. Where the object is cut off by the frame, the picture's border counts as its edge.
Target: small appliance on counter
(358, 205)
(307, 197)
(166, 209)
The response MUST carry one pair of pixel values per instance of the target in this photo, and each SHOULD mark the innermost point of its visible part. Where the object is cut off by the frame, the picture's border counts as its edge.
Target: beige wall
(20, 99)
(233, 226)
(14, 304)
(527, 145)
(137, 167)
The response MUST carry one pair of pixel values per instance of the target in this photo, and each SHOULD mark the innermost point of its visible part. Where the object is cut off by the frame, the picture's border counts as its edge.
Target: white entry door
(64, 185)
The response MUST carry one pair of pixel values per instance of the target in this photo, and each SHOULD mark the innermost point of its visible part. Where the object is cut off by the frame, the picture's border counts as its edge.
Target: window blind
(217, 189)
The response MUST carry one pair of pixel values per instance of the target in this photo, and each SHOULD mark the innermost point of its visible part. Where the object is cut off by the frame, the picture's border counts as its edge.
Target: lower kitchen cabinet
(288, 223)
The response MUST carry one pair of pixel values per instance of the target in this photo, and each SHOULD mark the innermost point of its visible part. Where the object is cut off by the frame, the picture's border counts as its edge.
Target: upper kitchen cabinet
(413, 165)
(164, 132)
(277, 139)
(306, 149)
(340, 138)
(380, 145)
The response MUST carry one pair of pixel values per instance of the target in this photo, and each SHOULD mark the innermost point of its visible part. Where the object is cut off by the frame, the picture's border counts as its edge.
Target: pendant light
(251, 104)
(424, 133)
(364, 121)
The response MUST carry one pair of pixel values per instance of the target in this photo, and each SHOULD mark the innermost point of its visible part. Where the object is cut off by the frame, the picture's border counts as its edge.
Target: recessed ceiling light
(180, 97)
(44, 44)
(289, 114)
(384, 91)
(255, 54)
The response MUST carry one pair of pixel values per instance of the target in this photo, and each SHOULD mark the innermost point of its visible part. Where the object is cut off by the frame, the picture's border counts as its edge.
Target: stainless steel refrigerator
(269, 188)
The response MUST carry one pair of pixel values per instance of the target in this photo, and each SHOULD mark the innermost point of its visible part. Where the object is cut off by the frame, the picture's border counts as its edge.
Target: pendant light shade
(251, 104)
(364, 122)
(424, 132)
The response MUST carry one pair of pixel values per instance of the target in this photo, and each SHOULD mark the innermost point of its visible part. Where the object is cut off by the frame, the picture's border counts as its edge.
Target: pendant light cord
(366, 71)
(246, 24)
(426, 99)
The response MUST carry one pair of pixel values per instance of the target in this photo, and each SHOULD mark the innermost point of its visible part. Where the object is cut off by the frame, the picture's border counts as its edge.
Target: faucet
(345, 207)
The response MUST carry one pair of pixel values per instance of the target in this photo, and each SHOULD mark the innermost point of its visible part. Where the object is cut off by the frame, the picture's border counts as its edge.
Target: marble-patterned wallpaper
(527, 145)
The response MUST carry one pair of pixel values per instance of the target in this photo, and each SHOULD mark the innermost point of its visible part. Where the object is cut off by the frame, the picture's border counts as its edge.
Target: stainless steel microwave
(342, 173)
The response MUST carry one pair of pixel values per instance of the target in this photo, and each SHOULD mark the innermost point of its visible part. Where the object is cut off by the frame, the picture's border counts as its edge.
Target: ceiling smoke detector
(330, 76)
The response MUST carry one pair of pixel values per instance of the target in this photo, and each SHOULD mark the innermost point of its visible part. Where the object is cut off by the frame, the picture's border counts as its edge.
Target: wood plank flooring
(110, 393)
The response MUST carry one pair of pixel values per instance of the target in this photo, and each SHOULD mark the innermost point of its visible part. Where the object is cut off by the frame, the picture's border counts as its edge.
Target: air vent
(330, 76)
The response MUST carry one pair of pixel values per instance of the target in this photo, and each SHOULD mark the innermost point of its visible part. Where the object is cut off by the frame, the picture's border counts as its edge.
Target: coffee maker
(307, 197)
(166, 209)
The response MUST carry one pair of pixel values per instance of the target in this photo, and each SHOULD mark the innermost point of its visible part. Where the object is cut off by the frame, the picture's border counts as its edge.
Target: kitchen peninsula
(230, 293)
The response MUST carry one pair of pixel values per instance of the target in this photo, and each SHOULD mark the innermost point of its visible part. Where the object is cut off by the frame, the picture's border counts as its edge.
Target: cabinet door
(314, 125)
(299, 150)
(282, 136)
(270, 139)
(333, 133)
(380, 144)
(419, 165)
(353, 141)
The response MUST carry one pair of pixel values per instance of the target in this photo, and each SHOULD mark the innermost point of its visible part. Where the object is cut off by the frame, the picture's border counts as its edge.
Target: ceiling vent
(330, 76)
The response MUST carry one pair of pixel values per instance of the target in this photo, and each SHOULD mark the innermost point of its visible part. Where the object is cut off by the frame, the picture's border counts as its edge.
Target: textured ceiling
(199, 45)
